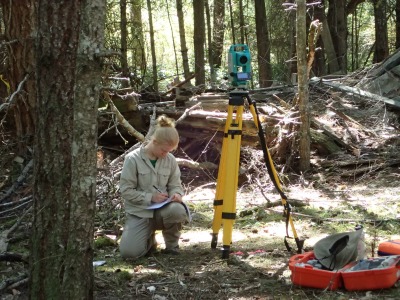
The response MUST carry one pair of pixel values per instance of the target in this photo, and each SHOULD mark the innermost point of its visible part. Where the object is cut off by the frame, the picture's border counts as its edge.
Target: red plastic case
(372, 279)
(306, 275)
(389, 248)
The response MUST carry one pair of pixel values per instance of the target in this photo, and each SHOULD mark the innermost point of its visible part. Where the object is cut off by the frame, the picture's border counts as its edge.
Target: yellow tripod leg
(221, 182)
(231, 181)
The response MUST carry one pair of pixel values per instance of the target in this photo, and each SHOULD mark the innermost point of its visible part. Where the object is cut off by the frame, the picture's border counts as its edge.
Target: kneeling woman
(151, 175)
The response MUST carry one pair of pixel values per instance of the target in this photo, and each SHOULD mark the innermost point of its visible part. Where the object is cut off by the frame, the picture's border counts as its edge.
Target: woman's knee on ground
(130, 249)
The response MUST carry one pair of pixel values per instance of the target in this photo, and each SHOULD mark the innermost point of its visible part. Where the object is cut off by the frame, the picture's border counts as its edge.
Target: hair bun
(164, 121)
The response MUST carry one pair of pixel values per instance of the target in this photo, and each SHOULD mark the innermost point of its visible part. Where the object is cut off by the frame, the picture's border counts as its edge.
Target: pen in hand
(161, 197)
(158, 190)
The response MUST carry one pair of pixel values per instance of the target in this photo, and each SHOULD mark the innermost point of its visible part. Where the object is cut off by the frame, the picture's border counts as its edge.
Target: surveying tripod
(227, 182)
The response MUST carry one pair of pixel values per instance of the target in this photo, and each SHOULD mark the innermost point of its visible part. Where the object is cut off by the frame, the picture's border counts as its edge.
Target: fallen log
(356, 92)
(179, 84)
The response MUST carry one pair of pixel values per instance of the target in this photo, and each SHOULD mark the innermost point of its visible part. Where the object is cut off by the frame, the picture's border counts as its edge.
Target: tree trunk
(124, 37)
(329, 48)
(153, 47)
(304, 140)
(381, 32)
(182, 35)
(218, 32)
(209, 47)
(263, 45)
(319, 68)
(198, 41)
(173, 40)
(232, 22)
(337, 23)
(70, 35)
(20, 27)
(397, 24)
(138, 59)
(241, 22)
(291, 63)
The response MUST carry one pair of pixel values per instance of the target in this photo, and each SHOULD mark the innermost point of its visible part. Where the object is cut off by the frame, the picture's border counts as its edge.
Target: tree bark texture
(218, 32)
(70, 35)
(20, 27)
(182, 36)
(137, 42)
(337, 23)
(381, 31)
(124, 39)
(209, 35)
(263, 45)
(153, 47)
(318, 67)
(198, 41)
(397, 24)
(241, 23)
(232, 23)
(304, 140)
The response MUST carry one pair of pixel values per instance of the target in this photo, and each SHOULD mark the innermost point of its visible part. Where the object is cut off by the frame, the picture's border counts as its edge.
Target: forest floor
(257, 268)
(339, 192)
(357, 185)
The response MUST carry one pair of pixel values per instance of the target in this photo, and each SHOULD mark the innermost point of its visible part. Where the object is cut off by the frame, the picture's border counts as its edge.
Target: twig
(123, 121)
(179, 84)
(17, 207)
(4, 235)
(15, 202)
(11, 281)
(186, 112)
(7, 104)
(20, 179)
(18, 283)
(107, 130)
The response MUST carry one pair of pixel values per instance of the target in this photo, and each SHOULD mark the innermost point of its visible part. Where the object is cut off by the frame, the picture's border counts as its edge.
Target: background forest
(65, 65)
(164, 40)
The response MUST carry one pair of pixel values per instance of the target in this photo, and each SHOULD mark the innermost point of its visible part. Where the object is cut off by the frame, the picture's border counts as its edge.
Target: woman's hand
(176, 198)
(159, 197)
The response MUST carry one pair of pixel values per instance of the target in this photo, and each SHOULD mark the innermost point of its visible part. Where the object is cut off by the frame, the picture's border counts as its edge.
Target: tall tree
(153, 47)
(397, 24)
(198, 41)
(318, 13)
(182, 36)
(173, 39)
(138, 60)
(337, 23)
(304, 110)
(218, 32)
(263, 45)
(20, 27)
(232, 22)
(209, 44)
(241, 22)
(381, 31)
(69, 40)
(124, 39)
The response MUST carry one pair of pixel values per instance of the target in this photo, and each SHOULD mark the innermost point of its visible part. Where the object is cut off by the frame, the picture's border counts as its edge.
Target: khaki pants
(139, 233)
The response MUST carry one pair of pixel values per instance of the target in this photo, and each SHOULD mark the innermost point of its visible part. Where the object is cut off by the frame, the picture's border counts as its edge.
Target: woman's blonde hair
(165, 131)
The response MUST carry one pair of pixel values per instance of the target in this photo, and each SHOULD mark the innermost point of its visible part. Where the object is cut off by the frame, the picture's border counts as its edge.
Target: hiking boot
(172, 251)
(153, 250)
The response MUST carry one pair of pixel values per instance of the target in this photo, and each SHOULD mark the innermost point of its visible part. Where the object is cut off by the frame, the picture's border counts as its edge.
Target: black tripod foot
(214, 240)
(225, 252)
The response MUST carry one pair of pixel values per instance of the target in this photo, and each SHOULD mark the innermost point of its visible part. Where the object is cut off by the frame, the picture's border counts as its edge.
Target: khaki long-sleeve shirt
(139, 176)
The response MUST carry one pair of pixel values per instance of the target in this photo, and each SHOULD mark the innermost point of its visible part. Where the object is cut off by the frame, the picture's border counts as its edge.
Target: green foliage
(280, 22)
(103, 241)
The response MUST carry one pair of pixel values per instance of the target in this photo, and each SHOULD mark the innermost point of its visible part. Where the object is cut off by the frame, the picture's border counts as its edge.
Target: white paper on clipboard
(161, 204)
